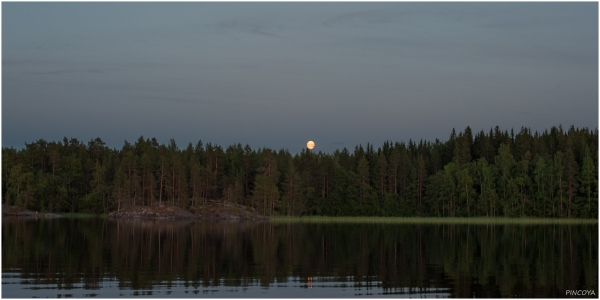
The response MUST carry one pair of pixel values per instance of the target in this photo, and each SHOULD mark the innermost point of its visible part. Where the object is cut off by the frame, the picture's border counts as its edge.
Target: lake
(96, 257)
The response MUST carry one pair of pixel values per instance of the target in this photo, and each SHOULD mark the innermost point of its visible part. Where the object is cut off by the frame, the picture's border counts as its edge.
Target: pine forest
(496, 174)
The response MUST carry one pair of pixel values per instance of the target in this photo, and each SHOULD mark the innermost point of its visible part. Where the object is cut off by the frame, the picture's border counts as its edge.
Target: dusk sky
(279, 74)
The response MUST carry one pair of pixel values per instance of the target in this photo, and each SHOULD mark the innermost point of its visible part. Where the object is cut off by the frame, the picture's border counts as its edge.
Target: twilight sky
(279, 74)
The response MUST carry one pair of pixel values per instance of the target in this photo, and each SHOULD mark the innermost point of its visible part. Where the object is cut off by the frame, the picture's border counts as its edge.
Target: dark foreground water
(105, 258)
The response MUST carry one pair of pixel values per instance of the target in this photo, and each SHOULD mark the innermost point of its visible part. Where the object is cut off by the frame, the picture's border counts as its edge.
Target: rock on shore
(14, 211)
(154, 212)
(209, 210)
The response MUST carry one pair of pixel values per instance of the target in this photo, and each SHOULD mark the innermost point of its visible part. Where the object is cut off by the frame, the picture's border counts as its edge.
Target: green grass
(418, 220)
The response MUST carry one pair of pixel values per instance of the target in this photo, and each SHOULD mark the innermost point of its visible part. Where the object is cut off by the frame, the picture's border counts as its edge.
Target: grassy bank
(417, 220)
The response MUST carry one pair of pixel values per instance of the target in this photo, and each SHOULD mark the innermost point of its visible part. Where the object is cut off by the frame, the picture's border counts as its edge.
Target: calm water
(106, 258)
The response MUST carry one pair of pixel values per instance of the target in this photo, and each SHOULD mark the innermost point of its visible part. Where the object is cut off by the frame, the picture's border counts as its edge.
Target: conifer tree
(541, 175)
(571, 172)
(589, 184)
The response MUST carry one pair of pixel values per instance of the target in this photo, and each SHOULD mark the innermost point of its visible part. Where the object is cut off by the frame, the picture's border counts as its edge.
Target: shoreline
(432, 220)
(172, 213)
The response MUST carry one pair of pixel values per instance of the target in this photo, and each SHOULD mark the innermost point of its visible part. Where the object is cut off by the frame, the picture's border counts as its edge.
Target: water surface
(106, 258)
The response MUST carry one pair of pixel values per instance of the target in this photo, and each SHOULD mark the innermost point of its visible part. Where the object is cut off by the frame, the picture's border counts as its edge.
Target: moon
(310, 145)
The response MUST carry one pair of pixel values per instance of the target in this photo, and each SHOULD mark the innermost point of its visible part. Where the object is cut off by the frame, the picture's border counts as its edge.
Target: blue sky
(279, 74)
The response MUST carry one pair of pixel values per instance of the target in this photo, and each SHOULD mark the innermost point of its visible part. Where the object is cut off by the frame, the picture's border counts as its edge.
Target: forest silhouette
(552, 174)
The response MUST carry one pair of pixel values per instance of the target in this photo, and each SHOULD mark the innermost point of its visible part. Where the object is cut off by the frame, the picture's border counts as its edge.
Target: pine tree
(381, 173)
(505, 163)
(147, 179)
(523, 181)
(195, 181)
(541, 176)
(268, 191)
(293, 193)
(392, 169)
(363, 174)
(558, 172)
(571, 172)
(464, 184)
(589, 184)
(488, 198)
(448, 189)
(99, 189)
(265, 194)
(421, 177)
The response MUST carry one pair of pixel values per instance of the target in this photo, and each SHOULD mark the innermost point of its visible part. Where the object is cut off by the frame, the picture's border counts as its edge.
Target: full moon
(310, 145)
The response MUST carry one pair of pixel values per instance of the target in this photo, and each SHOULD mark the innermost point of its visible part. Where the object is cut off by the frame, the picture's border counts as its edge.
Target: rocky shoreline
(208, 210)
(152, 212)
(13, 211)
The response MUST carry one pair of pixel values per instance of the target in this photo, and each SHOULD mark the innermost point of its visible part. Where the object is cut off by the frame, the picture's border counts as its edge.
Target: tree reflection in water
(152, 258)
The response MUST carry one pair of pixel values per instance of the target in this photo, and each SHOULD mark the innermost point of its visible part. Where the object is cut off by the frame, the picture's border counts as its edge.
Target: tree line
(499, 173)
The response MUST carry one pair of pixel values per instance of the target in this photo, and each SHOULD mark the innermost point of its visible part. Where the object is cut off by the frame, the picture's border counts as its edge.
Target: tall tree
(571, 172)
(558, 170)
(363, 174)
(421, 177)
(294, 195)
(488, 198)
(448, 189)
(466, 194)
(589, 184)
(541, 177)
(392, 169)
(268, 191)
(505, 163)
(381, 173)
(265, 194)
(523, 181)
(195, 181)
